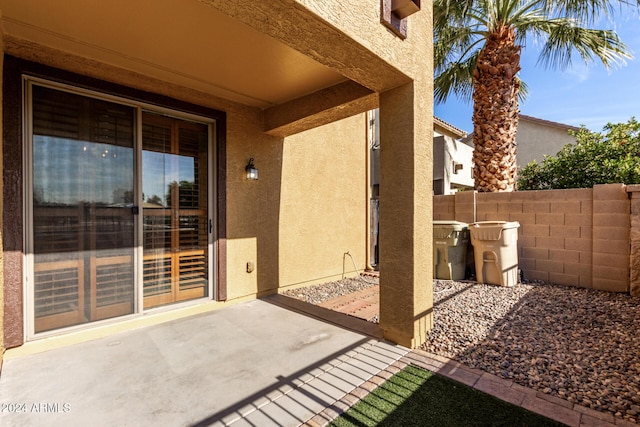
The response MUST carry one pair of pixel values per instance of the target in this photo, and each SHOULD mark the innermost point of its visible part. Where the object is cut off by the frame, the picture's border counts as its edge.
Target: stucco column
(406, 211)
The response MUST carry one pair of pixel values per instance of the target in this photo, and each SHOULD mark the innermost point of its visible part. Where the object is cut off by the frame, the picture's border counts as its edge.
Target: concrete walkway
(254, 364)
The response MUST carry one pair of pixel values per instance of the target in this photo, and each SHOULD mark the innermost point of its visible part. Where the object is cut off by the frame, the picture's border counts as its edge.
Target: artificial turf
(416, 397)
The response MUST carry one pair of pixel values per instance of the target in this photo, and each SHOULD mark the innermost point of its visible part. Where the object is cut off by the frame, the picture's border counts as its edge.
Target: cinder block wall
(611, 237)
(634, 258)
(576, 237)
(444, 207)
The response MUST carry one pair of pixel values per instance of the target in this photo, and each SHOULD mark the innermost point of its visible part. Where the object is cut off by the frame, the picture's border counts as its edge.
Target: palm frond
(456, 78)
(523, 90)
(451, 9)
(455, 44)
(462, 26)
(565, 38)
(587, 11)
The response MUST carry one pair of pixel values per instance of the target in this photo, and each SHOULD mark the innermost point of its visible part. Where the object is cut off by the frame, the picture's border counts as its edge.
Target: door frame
(16, 220)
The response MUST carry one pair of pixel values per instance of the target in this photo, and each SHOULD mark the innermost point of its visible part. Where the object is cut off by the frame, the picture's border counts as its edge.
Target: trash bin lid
(450, 225)
(490, 230)
(495, 224)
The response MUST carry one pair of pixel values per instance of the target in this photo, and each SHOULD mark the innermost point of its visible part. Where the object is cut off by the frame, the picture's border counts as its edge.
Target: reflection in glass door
(82, 198)
(175, 218)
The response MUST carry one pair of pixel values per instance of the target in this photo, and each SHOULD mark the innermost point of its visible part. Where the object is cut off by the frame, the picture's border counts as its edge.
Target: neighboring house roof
(548, 122)
(447, 128)
(468, 139)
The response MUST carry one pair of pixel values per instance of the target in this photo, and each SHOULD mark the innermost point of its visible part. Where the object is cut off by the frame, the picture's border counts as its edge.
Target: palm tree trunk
(495, 113)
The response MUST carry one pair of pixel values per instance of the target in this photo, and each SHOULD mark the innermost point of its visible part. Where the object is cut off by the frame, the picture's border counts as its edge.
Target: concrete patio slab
(260, 363)
(254, 363)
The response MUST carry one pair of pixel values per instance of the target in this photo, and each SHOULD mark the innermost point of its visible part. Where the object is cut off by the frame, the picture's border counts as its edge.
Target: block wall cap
(633, 188)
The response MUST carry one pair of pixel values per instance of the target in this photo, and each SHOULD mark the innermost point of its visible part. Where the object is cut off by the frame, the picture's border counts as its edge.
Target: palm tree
(477, 46)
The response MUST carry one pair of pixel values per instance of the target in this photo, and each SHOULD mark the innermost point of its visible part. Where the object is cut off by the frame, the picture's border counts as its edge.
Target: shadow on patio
(570, 345)
(255, 363)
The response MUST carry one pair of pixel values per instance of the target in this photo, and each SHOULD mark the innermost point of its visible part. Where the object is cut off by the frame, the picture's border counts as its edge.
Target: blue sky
(580, 95)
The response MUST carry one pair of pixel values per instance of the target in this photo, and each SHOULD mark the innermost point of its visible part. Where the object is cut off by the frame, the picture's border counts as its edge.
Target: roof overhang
(188, 43)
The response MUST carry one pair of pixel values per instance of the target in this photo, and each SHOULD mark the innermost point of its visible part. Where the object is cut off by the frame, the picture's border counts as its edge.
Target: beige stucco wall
(323, 203)
(535, 140)
(406, 161)
(305, 211)
(252, 206)
(360, 19)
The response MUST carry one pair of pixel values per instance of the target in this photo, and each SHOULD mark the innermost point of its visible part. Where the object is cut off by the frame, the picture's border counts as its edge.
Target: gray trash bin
(450, 242)
(495, 247)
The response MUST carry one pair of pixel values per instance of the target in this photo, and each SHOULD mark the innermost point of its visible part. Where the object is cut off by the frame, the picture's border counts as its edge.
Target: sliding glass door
(83, 224)
(106, 240)
(174, 187)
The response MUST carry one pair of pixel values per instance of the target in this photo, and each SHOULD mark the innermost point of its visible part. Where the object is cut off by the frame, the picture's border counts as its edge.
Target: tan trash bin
(450, 242)
(495, 246)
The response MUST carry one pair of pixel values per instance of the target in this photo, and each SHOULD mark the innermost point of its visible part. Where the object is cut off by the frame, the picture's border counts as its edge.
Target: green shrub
(612, 156)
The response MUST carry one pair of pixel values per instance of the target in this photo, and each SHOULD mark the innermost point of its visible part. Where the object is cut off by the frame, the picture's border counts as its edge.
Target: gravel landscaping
(577, 344)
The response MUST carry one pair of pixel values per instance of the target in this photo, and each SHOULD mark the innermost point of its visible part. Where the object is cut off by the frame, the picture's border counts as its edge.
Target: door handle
(210, 226)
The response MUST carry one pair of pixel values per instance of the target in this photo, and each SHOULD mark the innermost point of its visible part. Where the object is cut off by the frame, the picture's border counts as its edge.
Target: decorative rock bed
(577, 344)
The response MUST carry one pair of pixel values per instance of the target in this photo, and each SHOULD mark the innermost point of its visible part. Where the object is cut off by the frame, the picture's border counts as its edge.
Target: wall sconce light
(457, 167)
(252, 171)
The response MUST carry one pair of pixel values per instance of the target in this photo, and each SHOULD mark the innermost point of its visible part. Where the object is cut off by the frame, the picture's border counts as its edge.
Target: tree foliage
(564, 28)
(610, 156)
(477, 47)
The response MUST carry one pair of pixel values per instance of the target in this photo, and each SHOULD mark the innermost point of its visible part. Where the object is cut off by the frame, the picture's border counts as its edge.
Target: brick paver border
(550, 406)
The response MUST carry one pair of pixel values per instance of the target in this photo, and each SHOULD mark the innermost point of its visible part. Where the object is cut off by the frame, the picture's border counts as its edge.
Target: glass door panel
(175, 218)
(83, 224)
